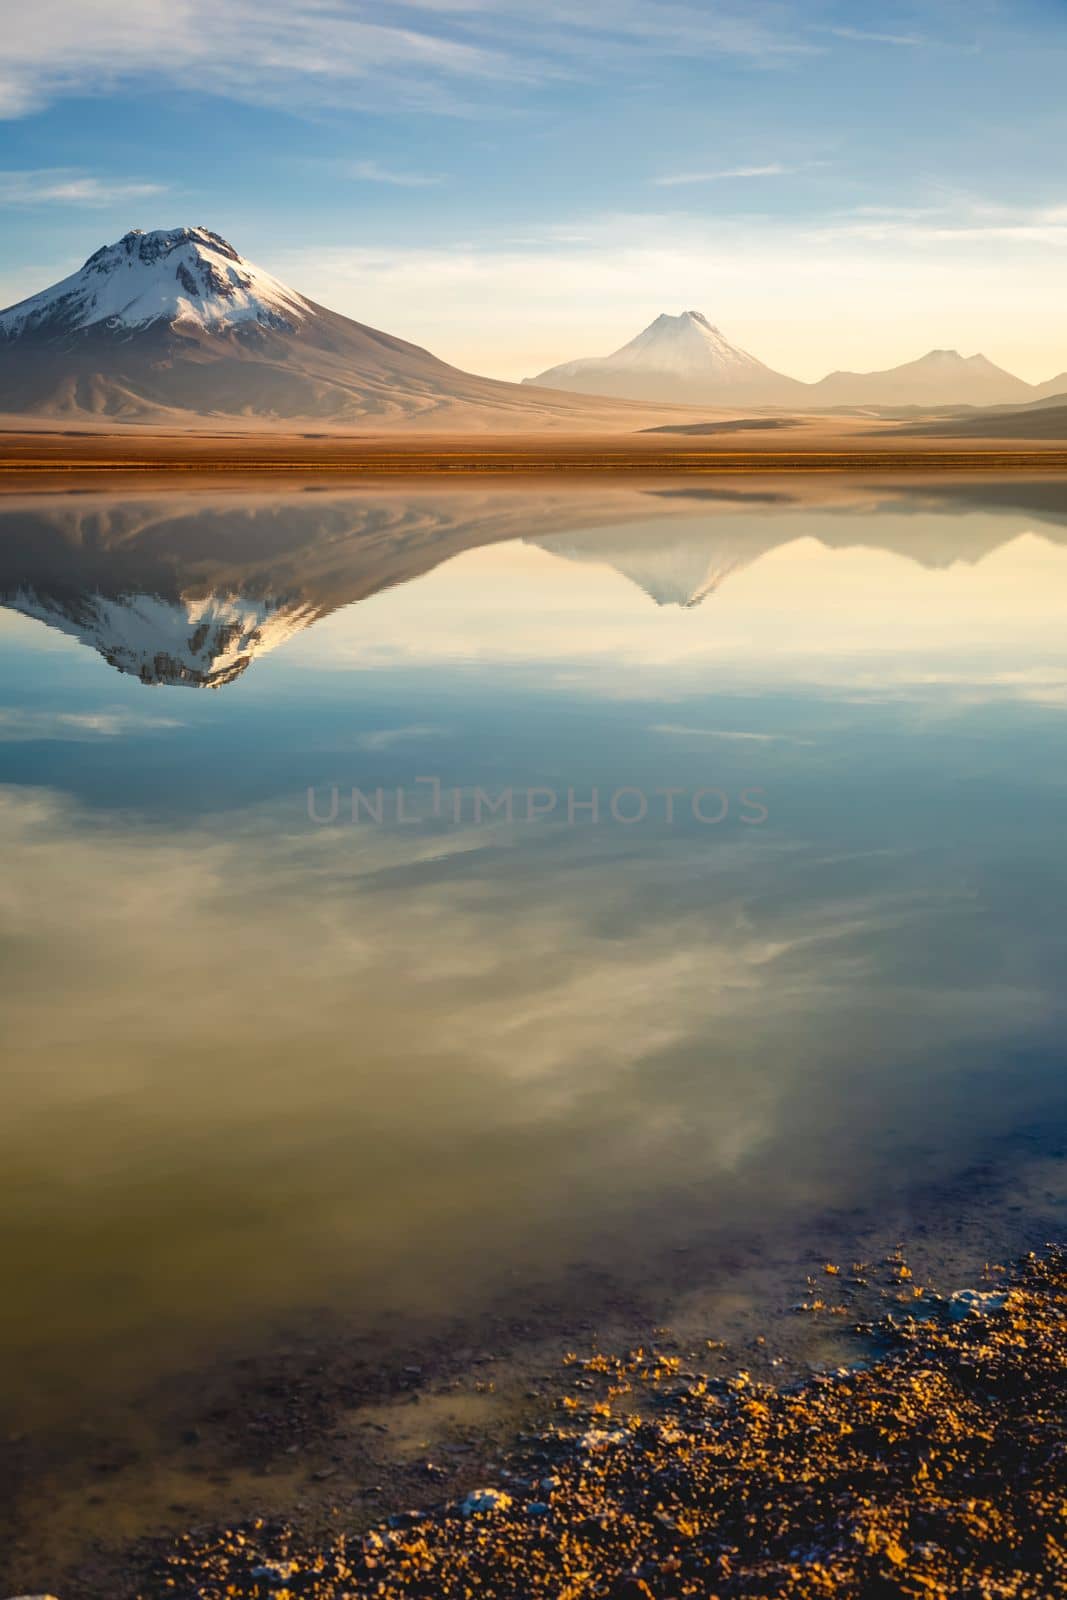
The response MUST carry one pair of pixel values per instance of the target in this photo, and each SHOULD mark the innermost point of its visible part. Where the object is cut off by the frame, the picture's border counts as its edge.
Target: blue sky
(516, 183)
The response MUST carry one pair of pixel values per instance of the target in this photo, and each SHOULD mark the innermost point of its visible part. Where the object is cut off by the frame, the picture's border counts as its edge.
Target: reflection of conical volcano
(675, 565)
(190, 587)
(682, 562)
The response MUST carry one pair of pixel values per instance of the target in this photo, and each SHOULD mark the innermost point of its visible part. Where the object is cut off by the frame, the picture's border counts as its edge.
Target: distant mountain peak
(953, 358)
(940, 377)
(686, 316)
(683, 357)
(187, 276)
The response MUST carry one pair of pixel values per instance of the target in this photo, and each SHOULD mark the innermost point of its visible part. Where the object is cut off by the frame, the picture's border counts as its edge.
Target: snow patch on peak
(200, 643)
(187, 276)
(679, 358)
(687, 345)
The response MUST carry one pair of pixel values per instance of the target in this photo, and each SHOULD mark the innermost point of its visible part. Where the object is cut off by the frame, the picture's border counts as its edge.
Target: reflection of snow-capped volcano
(189, 587)
(673, 567)
(202, 643)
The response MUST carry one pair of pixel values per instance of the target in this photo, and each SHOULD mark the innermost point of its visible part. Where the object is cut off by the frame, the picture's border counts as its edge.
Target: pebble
(277, 1573)
(483, 1500)
(965, 1301)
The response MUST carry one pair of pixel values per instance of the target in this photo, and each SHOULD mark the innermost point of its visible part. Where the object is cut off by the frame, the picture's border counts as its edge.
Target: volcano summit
(681, 358)
(174, 326)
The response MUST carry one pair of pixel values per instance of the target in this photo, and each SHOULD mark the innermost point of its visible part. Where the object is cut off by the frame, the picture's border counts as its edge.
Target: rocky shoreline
(935, 1470)
(332, 1423)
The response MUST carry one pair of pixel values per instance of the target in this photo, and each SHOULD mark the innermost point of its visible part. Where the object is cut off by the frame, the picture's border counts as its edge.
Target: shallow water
(265, 1063)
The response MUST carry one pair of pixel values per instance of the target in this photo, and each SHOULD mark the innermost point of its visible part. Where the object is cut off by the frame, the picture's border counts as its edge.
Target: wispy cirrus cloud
(681, 731)
(759, 31)
(311, 53)
(385, 55)
(954, 219)
(386, 738)
(863, 36)
(70, 187)
(773, 169)
(371, 172)
(19, 724)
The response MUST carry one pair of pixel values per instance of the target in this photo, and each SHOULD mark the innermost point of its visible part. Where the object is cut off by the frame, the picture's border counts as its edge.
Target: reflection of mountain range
(936, 525)
(189, 588)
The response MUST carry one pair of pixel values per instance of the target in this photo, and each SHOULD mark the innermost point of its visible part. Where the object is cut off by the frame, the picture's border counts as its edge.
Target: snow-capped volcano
(179, 275)
(174, 326)
(689, 346)
(683, 358)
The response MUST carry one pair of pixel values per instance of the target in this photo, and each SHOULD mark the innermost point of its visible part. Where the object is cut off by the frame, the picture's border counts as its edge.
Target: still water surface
(259, 1065)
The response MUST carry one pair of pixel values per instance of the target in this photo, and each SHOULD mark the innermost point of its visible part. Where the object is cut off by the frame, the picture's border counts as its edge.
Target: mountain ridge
(647, 368)
(175, 325)
(683, 358)
(940, 377)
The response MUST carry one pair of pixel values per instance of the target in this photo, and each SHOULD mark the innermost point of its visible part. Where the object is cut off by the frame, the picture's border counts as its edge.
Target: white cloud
(371, 172)
(758, 31)
(386, 738)
(773, 169)
(861, 36)
(18, 724)
(677, 730)
(389, 54)
(70, 187)
(312, 51)
(18, 95)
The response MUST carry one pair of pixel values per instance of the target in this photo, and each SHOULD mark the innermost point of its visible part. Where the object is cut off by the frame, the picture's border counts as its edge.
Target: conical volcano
(175, 326)
(680, 359)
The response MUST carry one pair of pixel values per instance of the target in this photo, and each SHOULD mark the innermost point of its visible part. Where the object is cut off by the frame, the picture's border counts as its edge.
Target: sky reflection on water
(256, 1064)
